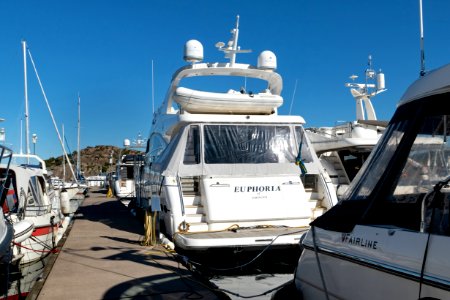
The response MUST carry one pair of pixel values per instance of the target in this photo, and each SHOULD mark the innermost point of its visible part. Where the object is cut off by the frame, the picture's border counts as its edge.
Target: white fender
(65, 202)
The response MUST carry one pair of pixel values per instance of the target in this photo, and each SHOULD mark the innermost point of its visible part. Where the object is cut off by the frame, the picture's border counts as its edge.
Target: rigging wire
(51, 114)
(293, 95)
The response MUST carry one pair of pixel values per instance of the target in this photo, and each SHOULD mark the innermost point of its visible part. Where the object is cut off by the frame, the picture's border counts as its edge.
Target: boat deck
(102, 258)
(263, 231)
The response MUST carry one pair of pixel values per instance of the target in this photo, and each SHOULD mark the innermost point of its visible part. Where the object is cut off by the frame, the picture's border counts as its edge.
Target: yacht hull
(373, 263)
(245, 237)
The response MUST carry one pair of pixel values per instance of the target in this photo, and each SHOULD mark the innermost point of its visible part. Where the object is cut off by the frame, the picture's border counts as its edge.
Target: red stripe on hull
(16, 297)
(44, 230)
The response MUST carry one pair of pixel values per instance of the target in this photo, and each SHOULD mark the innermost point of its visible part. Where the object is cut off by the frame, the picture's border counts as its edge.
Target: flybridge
(232, 101)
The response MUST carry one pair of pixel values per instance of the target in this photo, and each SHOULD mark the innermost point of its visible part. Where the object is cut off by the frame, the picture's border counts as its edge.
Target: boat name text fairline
(359, 241)
(256, 189)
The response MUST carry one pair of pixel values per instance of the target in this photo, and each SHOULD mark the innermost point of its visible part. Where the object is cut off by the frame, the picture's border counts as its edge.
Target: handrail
(180, 192)
(41, 165)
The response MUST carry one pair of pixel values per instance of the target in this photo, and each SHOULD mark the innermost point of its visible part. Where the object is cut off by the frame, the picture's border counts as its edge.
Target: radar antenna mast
(232, 47)
(362, 92)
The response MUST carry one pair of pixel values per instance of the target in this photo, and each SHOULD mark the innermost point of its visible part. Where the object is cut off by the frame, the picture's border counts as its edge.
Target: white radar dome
(126, 143)
(193, 51)
(267, 60)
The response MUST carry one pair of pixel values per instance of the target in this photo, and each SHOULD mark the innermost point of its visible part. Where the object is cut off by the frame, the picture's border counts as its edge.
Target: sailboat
(31, 204)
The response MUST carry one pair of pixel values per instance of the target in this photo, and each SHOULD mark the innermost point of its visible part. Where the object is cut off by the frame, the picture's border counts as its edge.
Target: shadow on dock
(111, 214)
(102, 258)
(163, 286)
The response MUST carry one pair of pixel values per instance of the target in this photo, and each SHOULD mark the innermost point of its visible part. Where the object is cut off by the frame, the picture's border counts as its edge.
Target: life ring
(184, 227)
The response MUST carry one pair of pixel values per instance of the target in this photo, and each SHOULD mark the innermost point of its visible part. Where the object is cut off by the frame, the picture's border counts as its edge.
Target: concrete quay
(102, 258)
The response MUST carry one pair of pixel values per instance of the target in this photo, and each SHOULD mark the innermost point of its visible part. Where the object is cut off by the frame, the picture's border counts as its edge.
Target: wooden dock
(102, 258)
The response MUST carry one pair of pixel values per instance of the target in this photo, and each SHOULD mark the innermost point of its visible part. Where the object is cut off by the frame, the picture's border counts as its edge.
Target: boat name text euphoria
(256, 189)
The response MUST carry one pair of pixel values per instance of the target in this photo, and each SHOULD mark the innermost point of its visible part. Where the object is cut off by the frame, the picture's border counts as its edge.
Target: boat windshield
(249, 144)
(413, 155)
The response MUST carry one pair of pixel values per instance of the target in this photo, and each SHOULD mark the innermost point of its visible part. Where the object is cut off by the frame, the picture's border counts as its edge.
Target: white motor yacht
(220, 166)
(344, 148)
(124, 183)
(389, 236)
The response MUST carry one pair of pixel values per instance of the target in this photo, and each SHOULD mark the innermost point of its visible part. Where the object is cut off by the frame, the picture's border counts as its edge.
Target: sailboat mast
(27, 137)
(78, 140)
(21, 137)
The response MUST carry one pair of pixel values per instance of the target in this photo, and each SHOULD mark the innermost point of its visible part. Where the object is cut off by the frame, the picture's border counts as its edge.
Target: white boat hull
(375, 264)
(38, 245)
(246, 212)
(124, 188)
(246, 238)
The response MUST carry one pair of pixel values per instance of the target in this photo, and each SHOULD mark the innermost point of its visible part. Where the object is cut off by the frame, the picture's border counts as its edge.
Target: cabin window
(248, 144)
(166, 153)
(353, 160)
(419, 169)
(156, 146)
(428, 160)
(381, 156)
(192, 151)
(412, 156)
(126, 172)
(9, 201)
(35, 193)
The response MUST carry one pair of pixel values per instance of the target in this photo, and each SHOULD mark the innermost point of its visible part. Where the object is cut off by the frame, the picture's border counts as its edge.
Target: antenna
(27, 124)
(153, 92)
(422, 51)
(293, 95)
(232, 48)
(78, 140)
(64, 158)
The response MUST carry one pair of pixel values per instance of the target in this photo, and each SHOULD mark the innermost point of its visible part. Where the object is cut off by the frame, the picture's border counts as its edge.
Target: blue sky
(104, 50)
